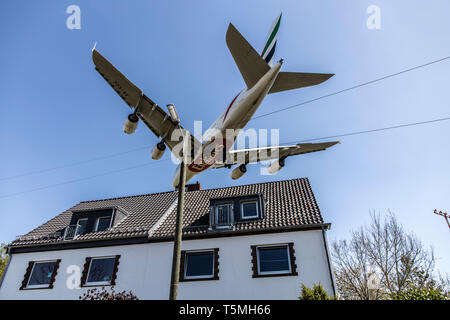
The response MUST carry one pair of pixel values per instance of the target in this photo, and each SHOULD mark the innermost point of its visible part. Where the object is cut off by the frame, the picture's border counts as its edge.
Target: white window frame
(274, 272)
(38, 286)
(98, 219)
(211, 276)
(242, 209)
(76, 228)
(230, 215)
(98, 283)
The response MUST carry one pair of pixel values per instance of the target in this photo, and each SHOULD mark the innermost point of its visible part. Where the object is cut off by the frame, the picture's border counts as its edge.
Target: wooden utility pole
(175, 278)
(444, 214)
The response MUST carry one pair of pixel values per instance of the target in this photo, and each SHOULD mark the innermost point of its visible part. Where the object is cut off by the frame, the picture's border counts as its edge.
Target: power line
(351, 88)
(285, 143)
(373, 130)
(257, 117)
(73, 164)
(79, 180)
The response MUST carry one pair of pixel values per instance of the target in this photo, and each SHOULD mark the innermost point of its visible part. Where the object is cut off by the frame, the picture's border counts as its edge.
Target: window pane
(273, 259)
(103, 223)
(101, 270)
(249, 209)
(42, 272)
(199, 264)
(222, 215)
(82, 226)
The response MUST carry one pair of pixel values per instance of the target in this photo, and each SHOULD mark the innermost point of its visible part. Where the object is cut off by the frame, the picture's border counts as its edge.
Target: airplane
(261, 78)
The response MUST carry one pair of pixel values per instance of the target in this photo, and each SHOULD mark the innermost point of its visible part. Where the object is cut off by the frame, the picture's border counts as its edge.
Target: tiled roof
(287, 204)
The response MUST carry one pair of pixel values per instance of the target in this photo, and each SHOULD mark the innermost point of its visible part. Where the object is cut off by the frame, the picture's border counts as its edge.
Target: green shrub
(316, 293)
(414, 293)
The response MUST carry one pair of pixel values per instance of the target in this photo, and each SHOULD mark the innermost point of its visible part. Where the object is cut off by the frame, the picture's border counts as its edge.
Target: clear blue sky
(56, 109)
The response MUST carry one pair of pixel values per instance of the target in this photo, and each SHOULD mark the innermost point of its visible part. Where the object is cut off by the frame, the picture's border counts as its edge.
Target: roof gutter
(138, 239)
(330, 267)
(234, 233)
(79, 244)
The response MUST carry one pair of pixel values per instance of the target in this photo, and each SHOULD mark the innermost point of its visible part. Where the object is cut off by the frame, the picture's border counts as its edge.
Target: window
(222, 215)
(102, 223)
(100, 271)
(228, 211)
(200, 265)
(249, 209)
(273, 260)
(81, 226)
(87, 221)
(40, 274)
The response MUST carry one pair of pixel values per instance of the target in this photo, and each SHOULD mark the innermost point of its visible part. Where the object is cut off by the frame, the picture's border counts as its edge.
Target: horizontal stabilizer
(294, 80)
(251, 65)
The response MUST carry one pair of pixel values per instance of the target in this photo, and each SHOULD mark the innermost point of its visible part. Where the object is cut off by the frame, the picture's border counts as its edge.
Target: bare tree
(381, 260)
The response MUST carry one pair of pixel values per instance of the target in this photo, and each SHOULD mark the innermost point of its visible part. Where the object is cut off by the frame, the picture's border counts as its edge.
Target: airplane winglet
(95, 44)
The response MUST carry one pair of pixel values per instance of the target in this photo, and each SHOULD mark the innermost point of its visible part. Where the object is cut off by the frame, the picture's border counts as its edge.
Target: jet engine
(158, 151)
(130, 125)
(238, 172)
(275, 166)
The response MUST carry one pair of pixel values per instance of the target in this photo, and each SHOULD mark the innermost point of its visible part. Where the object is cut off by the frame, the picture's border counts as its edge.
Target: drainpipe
(6, 267)
(330, 267)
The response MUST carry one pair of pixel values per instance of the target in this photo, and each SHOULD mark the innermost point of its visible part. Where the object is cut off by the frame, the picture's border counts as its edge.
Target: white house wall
(146, 268)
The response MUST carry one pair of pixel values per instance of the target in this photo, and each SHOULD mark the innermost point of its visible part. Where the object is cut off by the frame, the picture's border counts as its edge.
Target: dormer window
(88, 221)
(81, 226)
(249, 209)
(227, 212)
(223, 215)
(102, 223)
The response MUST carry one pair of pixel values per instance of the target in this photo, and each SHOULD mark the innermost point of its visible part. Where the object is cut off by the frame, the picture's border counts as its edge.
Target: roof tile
(287, 203)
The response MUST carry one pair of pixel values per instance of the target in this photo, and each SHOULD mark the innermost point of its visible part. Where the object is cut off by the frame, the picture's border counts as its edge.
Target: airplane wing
(270, 153)
(156, 119)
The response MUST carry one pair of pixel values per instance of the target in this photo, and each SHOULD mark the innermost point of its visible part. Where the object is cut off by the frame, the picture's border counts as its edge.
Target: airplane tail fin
(271, 42)
(253, 65)
(288, 80)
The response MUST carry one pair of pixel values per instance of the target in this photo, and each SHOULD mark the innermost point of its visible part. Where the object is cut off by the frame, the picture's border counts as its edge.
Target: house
(257, 241)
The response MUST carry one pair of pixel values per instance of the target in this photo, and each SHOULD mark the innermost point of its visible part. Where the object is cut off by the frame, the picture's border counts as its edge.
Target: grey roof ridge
(163, 218)
(150, 194)
(251, 184)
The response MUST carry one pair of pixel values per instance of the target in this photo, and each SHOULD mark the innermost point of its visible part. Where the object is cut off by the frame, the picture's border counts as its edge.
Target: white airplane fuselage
(235, 117)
